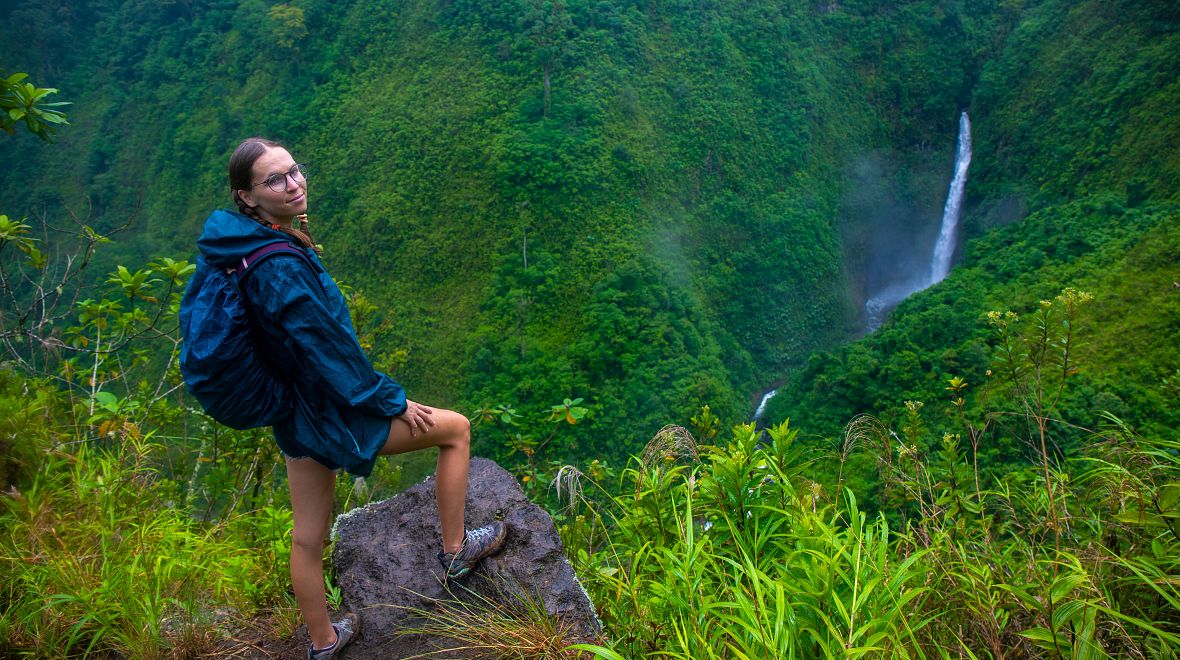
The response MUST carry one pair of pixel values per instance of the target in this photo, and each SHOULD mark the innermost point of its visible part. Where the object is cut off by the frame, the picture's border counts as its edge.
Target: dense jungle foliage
(579, 222)
(1073, 164)
(635, 204)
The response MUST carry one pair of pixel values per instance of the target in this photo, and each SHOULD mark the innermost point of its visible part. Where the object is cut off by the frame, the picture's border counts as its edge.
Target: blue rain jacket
(342, 407)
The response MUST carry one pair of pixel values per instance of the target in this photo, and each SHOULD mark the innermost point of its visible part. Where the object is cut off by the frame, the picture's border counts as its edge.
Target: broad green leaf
(1041, 635)
(106, 399)
(1064, 585)
(1169, 496)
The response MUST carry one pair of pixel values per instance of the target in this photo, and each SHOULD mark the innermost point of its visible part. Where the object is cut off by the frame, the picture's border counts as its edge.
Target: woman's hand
(419, 417)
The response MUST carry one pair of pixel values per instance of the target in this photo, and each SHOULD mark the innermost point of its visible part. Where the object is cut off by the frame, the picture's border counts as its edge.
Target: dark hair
(241, 170)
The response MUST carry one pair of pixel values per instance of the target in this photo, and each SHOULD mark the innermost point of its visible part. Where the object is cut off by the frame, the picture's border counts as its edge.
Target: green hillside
(660, 230)
(1070, 187)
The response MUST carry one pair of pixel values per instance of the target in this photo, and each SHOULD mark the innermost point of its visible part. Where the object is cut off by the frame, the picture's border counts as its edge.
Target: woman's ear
(246, 198)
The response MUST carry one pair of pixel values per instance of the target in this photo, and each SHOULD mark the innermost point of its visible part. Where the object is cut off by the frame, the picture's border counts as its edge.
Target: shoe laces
(479, 535)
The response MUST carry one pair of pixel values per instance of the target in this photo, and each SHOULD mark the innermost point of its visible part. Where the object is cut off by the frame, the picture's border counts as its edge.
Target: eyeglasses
(278, 182)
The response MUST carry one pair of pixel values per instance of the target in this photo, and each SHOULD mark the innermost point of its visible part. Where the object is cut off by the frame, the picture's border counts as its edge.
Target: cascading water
(940, 265)
(940, 261)
(762, 404)
(944, 247)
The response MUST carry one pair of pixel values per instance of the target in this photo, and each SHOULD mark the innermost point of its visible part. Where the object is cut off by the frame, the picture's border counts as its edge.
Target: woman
(345, 414)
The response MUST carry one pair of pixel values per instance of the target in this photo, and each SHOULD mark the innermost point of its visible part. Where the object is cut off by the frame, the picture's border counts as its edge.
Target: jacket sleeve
(286, 292)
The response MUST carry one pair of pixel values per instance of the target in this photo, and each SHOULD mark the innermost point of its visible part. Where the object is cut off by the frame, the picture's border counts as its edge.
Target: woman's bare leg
(451, 433)
(312, 488)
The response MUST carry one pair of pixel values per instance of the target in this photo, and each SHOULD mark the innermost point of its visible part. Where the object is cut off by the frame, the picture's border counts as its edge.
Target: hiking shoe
(346, 629)
(477, 544)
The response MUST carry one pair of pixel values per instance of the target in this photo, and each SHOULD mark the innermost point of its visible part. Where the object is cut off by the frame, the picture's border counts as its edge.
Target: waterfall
(940, 264)
(762, 404)
(944, 248)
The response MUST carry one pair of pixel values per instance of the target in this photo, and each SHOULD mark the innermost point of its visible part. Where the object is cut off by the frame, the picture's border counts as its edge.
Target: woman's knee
(465, 432)
(309, 540)
(458, 430)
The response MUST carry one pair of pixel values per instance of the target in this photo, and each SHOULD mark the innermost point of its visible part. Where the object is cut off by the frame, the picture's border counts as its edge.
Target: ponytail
(303, 234)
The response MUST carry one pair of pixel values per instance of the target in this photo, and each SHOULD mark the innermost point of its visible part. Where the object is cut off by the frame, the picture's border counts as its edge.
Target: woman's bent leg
(451, 433)
(311, 487)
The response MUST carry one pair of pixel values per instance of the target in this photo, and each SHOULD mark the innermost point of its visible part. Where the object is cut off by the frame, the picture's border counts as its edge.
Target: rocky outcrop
(388, 572)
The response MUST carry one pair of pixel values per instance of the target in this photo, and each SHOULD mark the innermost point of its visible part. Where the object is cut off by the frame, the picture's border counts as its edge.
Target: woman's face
(278, 207)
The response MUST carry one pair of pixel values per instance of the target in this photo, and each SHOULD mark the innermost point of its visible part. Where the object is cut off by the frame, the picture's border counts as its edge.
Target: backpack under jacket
(218, 357)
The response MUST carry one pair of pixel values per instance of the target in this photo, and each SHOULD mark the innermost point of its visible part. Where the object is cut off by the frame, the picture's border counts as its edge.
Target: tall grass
(739, 555)
(724, 558)
(96, 563)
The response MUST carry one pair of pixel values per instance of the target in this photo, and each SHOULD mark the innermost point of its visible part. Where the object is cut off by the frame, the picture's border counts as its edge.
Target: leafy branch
(22, 101)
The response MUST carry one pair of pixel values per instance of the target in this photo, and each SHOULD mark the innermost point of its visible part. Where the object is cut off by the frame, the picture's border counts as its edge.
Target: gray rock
(388, 572)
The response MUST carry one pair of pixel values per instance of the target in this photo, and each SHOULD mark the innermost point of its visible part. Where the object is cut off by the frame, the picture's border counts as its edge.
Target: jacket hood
(228, 236)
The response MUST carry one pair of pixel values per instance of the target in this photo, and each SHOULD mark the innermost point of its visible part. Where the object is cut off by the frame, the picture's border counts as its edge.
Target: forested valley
(604, 230)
